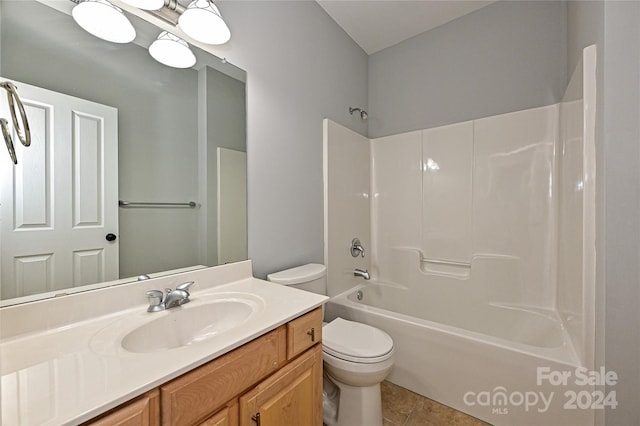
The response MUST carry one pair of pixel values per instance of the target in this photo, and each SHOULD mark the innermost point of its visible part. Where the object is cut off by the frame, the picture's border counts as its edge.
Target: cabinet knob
(312, 333)
(256, 418)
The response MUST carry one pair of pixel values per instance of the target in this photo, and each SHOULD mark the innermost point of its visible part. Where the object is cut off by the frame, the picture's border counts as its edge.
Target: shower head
(363, 113)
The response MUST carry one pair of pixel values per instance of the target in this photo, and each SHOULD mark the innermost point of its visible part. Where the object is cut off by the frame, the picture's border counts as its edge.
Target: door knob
(111, 237)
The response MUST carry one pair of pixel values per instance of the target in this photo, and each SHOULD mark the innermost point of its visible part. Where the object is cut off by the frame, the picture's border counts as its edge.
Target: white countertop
(73, 372)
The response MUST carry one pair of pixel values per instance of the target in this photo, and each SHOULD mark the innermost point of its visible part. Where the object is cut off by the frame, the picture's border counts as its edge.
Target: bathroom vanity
(230, 390)
(259, 362)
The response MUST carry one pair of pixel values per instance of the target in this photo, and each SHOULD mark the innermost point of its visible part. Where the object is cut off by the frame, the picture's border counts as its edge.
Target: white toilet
(357, 357)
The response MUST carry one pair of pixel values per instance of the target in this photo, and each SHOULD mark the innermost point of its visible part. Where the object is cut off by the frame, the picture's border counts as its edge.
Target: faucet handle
(155, 300)
(362, 273)
(356, 248)
(185, 286)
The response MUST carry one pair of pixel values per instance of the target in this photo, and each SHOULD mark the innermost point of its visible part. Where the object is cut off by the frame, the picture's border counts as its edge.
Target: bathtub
(504, 364)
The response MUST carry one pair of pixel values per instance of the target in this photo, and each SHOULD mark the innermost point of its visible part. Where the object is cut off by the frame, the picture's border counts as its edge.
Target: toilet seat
(356, 342)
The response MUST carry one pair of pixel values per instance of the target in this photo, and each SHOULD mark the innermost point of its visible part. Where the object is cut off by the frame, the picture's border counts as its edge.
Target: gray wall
(622, 204)
(157, 157)
(301, 67)
(505, 57)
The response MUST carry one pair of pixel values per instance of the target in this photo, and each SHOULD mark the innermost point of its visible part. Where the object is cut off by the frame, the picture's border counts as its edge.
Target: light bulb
(172, 51)
(104, 20)
(202, 21)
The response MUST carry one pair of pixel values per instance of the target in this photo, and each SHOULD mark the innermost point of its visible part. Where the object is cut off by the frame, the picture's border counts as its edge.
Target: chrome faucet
(360, 273)
(356, 248)
(174, 298)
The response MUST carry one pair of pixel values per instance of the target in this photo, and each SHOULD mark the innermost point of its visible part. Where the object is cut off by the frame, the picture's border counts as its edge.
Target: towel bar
(191, 204)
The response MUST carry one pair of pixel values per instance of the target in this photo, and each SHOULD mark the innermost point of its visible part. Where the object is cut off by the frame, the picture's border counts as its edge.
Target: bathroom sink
(187, 325)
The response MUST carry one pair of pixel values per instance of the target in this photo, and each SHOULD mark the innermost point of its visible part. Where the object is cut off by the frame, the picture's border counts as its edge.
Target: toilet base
(359, 406)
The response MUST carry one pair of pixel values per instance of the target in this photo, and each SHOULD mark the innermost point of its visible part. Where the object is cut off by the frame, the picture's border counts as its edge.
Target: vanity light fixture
(202, 21)
(172, 51)
(104, 20)
(146, 4)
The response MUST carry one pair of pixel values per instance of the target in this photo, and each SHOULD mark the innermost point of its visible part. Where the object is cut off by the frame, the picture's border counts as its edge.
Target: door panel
(31, 177)
(33, 273)
(61, 199)
(88, 266)
(87, 170)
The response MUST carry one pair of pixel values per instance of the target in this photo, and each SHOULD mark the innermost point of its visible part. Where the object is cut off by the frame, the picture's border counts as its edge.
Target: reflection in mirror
(110, 123)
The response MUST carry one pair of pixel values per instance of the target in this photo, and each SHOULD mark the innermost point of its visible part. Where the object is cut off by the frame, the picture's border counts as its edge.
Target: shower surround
(481, 237)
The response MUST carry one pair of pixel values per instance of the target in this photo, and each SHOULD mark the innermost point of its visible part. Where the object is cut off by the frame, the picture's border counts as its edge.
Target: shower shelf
(446, 262)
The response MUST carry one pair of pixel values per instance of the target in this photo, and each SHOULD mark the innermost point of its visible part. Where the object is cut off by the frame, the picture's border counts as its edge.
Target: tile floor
(401, 407)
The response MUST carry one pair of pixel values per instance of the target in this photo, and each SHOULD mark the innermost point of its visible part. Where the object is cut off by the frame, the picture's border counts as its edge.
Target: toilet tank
(311, 277)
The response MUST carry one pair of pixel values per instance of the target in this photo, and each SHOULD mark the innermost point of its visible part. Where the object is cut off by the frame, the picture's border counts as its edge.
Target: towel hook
(7, 139)
(24, 134)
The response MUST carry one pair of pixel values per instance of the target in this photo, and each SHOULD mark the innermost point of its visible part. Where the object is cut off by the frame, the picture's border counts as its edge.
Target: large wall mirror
(112, 125)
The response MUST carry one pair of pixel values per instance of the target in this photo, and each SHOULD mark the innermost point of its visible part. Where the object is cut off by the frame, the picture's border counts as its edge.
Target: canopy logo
(499, 399)
(582, 393)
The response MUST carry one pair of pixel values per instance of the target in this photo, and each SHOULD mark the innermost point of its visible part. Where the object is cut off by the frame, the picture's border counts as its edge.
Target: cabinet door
(201, 392)
(228, 416)
(291, 397)
(143, 411)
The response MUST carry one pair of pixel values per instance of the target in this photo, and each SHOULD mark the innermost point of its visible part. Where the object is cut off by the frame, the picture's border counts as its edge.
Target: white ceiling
(377, 24)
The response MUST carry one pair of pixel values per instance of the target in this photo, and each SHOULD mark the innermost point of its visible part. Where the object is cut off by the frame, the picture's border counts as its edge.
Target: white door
(61, 200)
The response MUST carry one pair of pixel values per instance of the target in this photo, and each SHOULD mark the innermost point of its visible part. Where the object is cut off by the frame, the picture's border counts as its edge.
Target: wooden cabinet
(142, 411)
(195, 395)
(275, 379)
(290, 397)
(228, 416)
(304, 332)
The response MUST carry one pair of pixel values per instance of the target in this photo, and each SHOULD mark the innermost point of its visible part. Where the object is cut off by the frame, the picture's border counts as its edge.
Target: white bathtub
(482, 360)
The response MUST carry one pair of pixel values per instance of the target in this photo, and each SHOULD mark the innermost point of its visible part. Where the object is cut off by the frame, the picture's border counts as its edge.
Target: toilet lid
(354, 341)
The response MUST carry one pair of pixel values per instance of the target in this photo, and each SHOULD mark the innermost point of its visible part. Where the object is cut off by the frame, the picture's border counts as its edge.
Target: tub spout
(360, 273)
